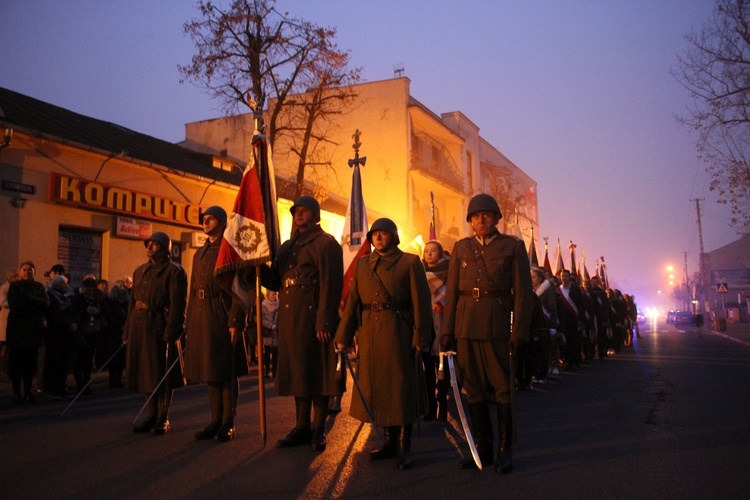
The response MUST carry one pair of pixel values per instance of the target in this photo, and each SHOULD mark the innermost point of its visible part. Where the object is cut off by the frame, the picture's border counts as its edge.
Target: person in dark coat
(87, 308)
(489, 282)
(308, 273)
(115, 315)
(214, 323)
(59, 335)
(28, 302)
(156, 317)
(390, 310)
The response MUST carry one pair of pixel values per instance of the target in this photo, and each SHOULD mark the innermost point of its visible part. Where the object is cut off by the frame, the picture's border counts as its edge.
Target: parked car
(684, 318)
(670, 317)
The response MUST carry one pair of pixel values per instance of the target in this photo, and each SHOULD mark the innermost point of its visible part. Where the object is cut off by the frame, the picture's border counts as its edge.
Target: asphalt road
(666, 418)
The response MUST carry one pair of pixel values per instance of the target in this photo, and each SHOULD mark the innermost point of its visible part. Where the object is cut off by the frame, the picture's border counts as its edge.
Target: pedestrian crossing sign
(722, 287)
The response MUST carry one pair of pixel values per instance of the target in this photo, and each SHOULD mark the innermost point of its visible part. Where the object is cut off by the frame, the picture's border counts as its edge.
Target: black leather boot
(209, 432)
(481, 423)
(145, 426)
(504, 462)
(162, 425)
(225, 432)
(390, 448)
(318, 442)
(297, 437)
(404, 448)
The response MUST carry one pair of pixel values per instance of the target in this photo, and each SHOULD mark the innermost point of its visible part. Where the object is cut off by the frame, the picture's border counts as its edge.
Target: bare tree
(715, 70)
(251, 54)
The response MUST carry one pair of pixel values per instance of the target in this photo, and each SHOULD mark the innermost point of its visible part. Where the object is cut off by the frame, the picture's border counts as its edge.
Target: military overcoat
(156, 315)
(309, 275)
(210, 313)
(386, 335)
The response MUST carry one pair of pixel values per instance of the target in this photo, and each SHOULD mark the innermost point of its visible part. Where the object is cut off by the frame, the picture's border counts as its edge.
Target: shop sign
(108, 198)
(133, 228)
(19, 187)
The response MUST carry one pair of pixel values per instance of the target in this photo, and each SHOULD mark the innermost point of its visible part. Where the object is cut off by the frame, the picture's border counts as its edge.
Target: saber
(417, 361)
(91, 379)
(460, 406)
(361, 394)
(166, 374)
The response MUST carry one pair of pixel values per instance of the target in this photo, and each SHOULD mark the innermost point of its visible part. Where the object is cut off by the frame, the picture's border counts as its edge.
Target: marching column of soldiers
(500, 324)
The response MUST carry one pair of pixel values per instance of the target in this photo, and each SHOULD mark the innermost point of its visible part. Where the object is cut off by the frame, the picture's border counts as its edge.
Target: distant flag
(604, 274)
(572, 248)
(547, 266)
(354, 239)
(251, 237)
(560, 265)
(433, 230)
(533, 260)
(585, 276)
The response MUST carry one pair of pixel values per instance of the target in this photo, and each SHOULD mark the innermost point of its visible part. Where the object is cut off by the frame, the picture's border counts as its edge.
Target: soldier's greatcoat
(485, 283)
(310, 268)
(156, 315)
(211, 312)
(386, 335)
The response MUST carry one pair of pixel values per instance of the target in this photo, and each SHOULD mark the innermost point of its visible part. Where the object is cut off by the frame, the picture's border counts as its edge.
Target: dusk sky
(578, 94)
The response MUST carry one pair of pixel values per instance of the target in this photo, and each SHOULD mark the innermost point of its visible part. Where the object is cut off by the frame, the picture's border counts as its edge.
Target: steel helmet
(310, 203)
(160, 238)
(384, 225)
(482, 203)
(219, 213)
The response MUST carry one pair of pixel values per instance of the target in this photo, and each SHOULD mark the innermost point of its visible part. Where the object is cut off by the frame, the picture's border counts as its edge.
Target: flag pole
(259, 343)
(258, 115)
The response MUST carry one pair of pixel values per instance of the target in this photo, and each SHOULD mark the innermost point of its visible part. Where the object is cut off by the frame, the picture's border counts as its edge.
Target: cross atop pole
(357, 160)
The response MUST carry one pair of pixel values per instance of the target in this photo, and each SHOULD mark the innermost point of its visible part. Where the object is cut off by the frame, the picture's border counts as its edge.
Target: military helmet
(384, 225)
(160, 238)
(482, 203)
(308, 202)
(219, 213)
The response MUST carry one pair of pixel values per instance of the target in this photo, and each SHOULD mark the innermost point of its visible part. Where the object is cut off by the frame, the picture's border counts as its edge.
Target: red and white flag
(354, 238)
(251, 237)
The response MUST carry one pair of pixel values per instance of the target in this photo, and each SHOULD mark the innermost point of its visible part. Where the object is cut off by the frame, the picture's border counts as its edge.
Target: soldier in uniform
(390, 309)
(156, 317)
(308, 273)
(214, 322)
(488, 279)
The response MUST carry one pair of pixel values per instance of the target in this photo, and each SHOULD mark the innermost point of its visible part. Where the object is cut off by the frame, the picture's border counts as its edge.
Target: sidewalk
(736, 332)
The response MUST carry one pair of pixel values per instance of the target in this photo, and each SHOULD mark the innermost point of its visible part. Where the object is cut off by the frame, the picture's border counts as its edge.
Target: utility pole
(702, 259)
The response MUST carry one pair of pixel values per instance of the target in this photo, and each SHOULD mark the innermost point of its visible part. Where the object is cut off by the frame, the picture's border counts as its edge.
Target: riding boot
(301, 434)
(229, 391)
(320, 414)
(390, 447)
(481, 422)
(504, 462)
(162, 425)
(442, 400)
(404, 448)
(214, 397)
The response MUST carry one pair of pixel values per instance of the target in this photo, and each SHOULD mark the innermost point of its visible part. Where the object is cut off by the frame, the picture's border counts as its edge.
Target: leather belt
(202, 293)
(478, 293)
(299, 282)
(141, 306)
(385, 306)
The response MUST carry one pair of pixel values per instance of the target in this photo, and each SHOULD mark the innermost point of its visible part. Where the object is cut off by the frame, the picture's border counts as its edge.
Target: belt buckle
(375, 306)
(475, 292)
(288, 282)
(201, 294)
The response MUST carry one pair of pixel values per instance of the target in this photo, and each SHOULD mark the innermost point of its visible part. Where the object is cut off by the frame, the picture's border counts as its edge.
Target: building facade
(85, 193)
